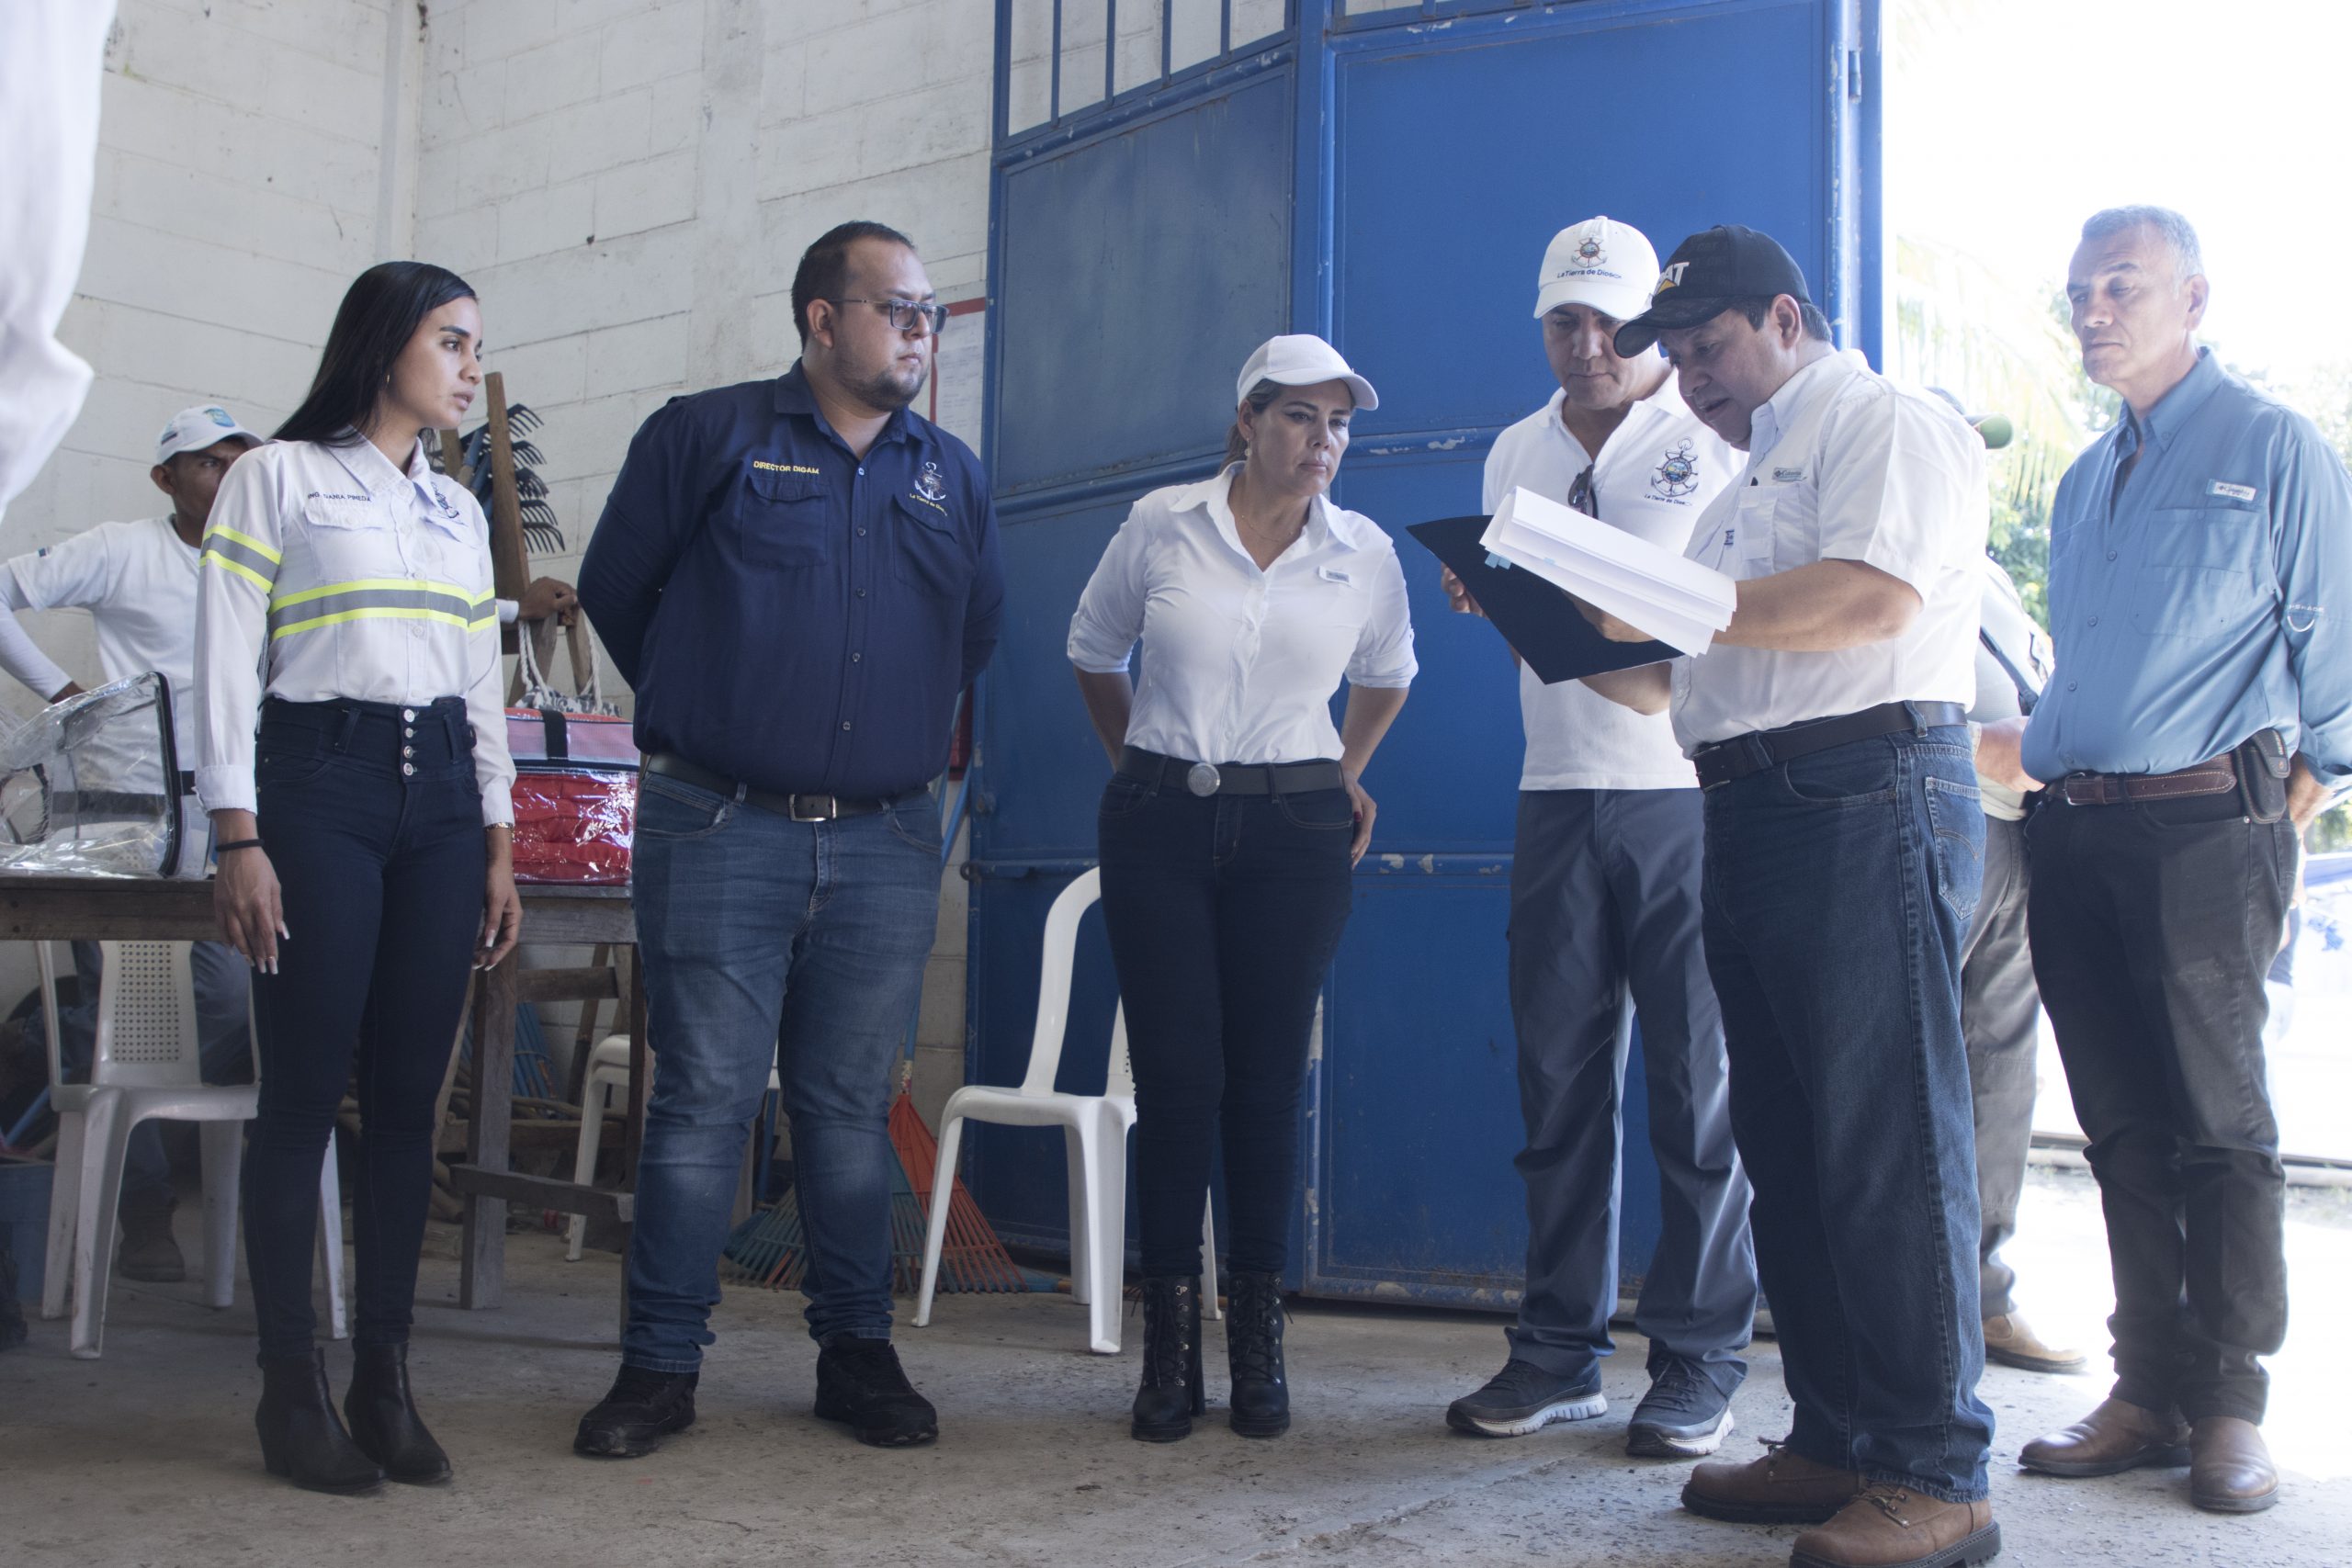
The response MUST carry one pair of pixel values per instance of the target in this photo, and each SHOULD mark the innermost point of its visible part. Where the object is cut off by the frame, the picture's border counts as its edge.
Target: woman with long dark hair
(344, 612)
(1228, 835)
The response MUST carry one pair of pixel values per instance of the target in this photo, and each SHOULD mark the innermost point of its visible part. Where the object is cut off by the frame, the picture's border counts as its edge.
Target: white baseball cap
(198, 426)
(1601, 263)
(1301, 359)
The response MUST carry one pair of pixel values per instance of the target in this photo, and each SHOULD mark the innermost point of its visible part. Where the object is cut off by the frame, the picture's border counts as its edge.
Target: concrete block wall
(627, 182)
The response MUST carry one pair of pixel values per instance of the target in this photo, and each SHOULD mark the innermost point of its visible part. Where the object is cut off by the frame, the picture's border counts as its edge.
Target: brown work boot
(1782, 1488)
(2229, 1466)
(1892, 1526)
(2011, 1341)
(149, 1254)
(2113, 1439)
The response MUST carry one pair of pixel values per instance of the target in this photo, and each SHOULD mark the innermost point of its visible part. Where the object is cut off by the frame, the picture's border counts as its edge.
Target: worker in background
(1605, 902)
(1844, 842)
(138, 582)
(2200, 564)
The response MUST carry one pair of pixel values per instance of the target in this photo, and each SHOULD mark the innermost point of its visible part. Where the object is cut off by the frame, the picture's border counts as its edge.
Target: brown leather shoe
(2113, 1439)
(1782, 1488)
(2229, 1467)
(1892, 1526)
(2011, 1341)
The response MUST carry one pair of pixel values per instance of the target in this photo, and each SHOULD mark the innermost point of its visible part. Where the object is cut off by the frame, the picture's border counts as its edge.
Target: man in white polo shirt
(1844, 859)
(1605, 904)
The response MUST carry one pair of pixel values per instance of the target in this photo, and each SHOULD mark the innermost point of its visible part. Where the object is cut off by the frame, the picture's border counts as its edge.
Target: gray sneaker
(1684, 1415)
(1524, 1398)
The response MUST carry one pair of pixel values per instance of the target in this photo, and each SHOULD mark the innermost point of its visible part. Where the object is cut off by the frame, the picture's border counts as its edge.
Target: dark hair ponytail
(380, 311)
(1261, 398)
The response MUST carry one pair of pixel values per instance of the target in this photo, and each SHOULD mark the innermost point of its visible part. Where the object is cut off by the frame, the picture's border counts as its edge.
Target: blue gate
(1386, 175)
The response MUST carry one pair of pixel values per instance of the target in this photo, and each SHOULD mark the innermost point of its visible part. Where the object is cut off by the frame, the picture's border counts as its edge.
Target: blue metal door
(1387, 177)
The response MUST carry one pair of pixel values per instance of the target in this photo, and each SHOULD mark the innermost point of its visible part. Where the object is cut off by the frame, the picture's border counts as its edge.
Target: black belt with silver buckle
(799, 807)
(1228, 778)
(1752, 753)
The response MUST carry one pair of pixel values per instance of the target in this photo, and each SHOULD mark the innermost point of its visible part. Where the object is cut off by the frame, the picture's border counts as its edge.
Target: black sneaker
(1524, 1398)
(642, 1408)
(859, 1381)
(1684, 1415)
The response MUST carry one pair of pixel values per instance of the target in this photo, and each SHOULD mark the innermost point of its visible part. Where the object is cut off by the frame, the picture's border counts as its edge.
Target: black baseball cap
(1706, 273)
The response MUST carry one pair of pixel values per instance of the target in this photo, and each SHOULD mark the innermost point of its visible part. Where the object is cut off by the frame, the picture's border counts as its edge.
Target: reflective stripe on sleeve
(248, 557)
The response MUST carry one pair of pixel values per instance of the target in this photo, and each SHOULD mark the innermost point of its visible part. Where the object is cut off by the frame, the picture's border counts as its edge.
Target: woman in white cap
(1228, 834)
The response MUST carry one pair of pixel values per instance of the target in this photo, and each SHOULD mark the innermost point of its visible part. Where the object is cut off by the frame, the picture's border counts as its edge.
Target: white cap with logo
(1602, 263)
(1301, 359)
(198, 426)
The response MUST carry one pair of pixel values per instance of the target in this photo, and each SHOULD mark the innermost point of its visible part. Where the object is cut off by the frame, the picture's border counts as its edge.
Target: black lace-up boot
(1171, 1395)
(1253, 1351)
(301, 1436)
(384, 1422)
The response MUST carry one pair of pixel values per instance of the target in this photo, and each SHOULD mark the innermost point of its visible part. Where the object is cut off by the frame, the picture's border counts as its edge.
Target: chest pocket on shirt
(353, 538)
(930, 552)
(2200, 572)
(782, 520)
(1754, 531)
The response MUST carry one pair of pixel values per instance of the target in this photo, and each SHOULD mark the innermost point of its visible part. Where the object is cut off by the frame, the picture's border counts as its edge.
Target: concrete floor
(147, 1456)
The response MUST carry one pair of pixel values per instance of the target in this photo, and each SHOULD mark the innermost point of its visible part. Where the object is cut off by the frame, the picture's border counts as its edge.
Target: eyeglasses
(1581, 496)
(905, 313)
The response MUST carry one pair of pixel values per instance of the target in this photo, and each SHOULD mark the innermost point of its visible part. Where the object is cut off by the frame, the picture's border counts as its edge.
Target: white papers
(1671, 597)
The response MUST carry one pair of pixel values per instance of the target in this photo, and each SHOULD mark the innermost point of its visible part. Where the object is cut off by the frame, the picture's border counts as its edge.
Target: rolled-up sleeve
(1383, 655)
(242, 549)
(1103, 632)
(2314, 497)
(1898, 478)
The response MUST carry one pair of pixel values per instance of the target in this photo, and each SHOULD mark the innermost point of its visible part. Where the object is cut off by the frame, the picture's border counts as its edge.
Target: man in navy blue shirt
(2199, 559)
(797, 577)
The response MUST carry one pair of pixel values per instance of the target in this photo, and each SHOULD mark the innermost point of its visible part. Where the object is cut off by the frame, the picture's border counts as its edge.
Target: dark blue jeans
(1839, 887)
(1223, 913)
(382, 874)
(1605, 900)
(768, 943)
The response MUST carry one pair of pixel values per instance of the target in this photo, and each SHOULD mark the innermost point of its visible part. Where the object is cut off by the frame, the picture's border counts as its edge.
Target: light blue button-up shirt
(2206, 600)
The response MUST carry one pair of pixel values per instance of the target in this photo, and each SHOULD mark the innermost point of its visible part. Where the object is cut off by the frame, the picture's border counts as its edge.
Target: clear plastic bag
(91, 786)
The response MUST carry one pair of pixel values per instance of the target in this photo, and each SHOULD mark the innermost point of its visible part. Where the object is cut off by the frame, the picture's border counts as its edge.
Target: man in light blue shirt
(2200, 581)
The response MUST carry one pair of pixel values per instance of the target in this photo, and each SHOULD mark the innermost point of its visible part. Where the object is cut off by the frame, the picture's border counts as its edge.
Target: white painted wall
(628, 183)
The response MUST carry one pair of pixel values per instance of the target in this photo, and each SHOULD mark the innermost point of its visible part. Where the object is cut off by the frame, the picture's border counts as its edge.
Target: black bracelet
(236, 844)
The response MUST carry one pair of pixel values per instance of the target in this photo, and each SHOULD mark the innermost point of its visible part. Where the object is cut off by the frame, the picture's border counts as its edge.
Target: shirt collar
(2177, 407)
(795, 396)
(364, 462)
(1328, 526)
(1666, 401)
(1784, 406)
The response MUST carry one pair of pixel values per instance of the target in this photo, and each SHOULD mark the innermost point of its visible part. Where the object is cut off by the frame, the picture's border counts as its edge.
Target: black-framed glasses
(905, 313)
(1581, 496)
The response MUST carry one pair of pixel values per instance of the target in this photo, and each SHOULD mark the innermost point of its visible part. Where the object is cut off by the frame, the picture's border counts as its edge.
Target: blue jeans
(1839, 887)
(767, 941)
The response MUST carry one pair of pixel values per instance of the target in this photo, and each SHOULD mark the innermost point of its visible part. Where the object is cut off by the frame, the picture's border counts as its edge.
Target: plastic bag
(574, 826)
(91, 786)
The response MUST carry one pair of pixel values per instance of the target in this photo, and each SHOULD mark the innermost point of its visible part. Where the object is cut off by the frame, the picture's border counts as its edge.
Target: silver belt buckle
(831, 809)
(1203, 779)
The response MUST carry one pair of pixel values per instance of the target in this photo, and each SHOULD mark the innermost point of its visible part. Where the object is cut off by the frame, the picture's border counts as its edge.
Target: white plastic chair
(145, 1064)
(608, 1073)
(1094, 1129)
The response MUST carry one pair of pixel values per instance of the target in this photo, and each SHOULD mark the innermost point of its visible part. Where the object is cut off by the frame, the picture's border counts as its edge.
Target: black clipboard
(1541, 624)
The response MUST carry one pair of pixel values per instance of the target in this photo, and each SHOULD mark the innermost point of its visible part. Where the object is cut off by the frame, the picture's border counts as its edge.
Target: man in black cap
(1844, 850)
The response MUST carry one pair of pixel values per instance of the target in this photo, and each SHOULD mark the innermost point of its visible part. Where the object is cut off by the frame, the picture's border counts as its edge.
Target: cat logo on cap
(1671, 277)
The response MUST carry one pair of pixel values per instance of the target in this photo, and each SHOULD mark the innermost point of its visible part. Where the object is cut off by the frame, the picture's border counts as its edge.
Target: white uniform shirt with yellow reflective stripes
(326, 573)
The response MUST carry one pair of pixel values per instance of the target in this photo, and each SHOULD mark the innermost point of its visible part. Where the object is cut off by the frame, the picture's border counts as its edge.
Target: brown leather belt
(2216, 777)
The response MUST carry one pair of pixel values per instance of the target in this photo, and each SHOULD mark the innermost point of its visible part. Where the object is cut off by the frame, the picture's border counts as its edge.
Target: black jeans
(371, 817)
(1223, 913)
(2151, 932)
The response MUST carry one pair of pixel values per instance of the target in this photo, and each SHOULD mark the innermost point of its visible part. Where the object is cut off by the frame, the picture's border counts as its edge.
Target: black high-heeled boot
(384, 1421)
(303, 1438)
(1253, 1351)
(1171, 1392)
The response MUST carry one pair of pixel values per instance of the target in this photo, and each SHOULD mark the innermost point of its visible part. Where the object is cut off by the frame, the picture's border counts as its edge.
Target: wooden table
(57, 908)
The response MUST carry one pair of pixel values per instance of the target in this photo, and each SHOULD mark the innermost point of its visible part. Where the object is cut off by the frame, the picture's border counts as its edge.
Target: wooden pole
(510, 563)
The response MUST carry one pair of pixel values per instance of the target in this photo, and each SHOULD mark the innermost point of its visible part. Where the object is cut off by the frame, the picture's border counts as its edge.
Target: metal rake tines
(520, 420)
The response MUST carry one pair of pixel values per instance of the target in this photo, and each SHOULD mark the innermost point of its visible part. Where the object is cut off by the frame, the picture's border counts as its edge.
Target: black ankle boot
(1171, 1395)
(303, 1438)
(1253, 1351)
(384, 1421)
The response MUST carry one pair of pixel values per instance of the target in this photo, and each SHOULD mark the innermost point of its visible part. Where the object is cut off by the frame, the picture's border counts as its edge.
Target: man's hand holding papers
(1630, 589)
